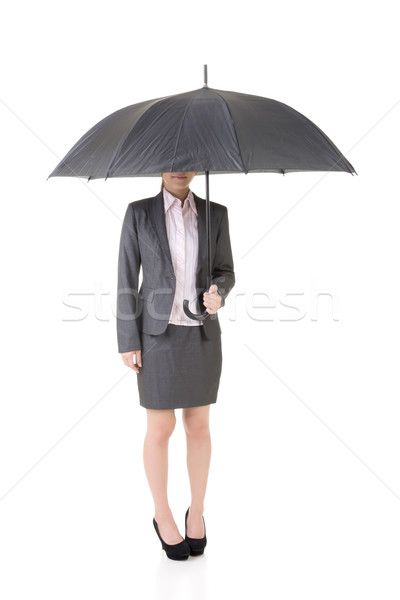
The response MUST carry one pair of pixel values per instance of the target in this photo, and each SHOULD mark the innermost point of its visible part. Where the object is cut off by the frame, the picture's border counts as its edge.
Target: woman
(177, 360)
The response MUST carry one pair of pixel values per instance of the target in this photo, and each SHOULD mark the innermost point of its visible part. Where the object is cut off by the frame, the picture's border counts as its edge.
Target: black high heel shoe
(178, 551)
(196, 545)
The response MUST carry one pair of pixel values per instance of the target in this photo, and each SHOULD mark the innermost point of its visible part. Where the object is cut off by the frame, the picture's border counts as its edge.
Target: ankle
(196, 510)
(162, 514)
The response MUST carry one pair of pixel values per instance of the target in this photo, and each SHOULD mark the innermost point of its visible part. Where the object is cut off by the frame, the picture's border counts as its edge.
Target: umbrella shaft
(208, 230)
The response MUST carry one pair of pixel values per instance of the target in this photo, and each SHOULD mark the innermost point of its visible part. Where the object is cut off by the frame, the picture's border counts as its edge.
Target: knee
(162, 430)
(197, 428)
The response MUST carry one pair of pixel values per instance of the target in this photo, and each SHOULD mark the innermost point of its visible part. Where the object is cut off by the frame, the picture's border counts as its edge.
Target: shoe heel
(196, 545)
(196, 552)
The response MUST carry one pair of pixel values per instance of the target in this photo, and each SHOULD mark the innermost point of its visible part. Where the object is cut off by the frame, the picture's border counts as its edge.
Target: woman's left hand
(212, 300)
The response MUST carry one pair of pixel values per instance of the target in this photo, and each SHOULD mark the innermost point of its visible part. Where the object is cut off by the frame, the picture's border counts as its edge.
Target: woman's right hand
(127, 357)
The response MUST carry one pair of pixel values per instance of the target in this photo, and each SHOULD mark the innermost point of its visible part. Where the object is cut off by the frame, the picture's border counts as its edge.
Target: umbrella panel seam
(234, 128)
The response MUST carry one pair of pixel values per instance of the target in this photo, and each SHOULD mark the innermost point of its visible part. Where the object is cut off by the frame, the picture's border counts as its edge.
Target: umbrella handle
(201, 317)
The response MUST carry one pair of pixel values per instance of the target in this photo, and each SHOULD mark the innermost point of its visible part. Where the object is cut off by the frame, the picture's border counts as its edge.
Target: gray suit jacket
(144, 243)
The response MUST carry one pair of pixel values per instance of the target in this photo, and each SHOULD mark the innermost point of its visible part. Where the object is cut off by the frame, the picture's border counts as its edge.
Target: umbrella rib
(121, 143)
(234, 129)
(340, 157)
(179, 133)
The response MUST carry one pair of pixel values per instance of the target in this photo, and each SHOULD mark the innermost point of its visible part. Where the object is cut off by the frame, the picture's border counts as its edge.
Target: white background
(304, 487)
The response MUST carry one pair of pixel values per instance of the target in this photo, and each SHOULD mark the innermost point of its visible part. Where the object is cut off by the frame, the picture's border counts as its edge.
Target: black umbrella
(214, 131)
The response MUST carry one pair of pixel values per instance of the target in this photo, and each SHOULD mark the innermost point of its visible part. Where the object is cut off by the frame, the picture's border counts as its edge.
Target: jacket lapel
(157, 219)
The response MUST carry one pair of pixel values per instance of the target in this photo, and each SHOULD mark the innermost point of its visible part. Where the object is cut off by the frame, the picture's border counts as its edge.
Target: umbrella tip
(205, 76)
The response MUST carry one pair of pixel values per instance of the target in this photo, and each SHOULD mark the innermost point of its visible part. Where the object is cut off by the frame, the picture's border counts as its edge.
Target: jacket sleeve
(128, 303)
(223, 274)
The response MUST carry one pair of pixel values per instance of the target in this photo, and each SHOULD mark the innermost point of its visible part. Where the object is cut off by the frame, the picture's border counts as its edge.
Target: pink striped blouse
(181, 224)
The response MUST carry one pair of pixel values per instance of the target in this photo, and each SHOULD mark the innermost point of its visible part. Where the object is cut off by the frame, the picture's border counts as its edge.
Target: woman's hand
(127, 357)
(212, 300)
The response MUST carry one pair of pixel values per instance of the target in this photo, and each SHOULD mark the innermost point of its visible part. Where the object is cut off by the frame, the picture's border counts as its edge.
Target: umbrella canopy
(202, 130)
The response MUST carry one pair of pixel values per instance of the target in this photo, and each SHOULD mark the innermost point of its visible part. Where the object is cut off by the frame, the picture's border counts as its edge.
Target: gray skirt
(181, 368)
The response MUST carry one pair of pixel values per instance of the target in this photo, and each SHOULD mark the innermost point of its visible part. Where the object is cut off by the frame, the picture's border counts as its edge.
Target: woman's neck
(180, 194)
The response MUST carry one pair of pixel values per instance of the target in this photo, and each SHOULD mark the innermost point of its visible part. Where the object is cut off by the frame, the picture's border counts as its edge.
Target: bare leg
(160, 425)
(198, 439)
